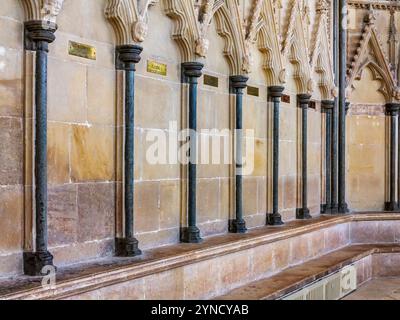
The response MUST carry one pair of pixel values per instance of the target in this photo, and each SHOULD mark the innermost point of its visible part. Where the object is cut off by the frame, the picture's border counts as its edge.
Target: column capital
(392, 109)
(327, 105)
(276, 91)
(192, 69)
(127, 55)
(238, 81)
(304, 100)
(38, 34)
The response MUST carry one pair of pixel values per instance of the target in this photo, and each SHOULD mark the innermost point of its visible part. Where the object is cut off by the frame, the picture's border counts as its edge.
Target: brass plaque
(211, 81)
(253, 91)
(156, 67)
(82, 50)
(286, 98)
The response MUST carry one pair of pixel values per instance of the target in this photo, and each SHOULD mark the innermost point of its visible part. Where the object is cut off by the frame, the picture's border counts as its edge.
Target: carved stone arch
(232, 36)
(321, 59)
(295, 50)
(268, 44)
(186, 30)
(370, 53)
(45, 10)
(129, 19)
(378, 75)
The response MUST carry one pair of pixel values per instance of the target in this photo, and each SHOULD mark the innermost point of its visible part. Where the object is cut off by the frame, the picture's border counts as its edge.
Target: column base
(343, 208)
(327, 209)
(191, 235)
(34, 262)
(127, 247)
(274, 219)
(303, 214)
(237, 226)
(334, 209)
(391, 206)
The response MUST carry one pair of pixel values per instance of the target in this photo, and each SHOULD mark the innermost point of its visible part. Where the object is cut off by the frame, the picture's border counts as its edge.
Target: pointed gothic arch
(370, 54)
(269, 45)
(321, 58)
(295, 50)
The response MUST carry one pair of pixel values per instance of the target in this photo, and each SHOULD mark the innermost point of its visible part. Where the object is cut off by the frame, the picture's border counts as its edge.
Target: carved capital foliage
(129, 19)
(45, 10)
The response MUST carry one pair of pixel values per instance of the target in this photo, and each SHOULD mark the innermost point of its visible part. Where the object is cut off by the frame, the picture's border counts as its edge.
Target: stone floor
(378, 289)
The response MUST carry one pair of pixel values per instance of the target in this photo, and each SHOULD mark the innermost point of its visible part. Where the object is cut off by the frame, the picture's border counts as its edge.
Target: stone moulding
(45, 10)
(269, 45)
(370, 54)
(296, 49)
(129, 19)
(321, 57)
(69, 284)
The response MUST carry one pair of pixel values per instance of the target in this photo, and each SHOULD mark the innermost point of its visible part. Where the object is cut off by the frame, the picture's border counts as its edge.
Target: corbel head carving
(51, 9)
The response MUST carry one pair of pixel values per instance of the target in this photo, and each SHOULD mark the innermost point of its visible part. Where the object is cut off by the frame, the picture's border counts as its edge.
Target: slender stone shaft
(342, 205)
(192, 71)
(37, 37)
(304, 211)
(238, 84)
(275, 93)
(328, 108)
(335, 115)
(129, 56)
(392, 110)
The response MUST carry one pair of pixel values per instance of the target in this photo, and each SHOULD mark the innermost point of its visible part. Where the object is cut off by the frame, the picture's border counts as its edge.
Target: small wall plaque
(82, 50)
(156, 67)
(286, 98)
(211, 81)
(253, 91)
(313, 105)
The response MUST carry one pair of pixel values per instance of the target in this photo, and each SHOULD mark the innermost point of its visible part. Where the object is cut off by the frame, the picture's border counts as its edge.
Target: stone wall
(85, 127)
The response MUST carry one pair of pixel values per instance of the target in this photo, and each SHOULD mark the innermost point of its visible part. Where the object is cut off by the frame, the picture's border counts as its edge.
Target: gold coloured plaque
(253, 91)
(211, 81)
(82, 50)
(156, 67)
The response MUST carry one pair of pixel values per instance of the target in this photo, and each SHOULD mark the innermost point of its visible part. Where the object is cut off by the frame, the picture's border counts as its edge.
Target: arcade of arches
(91, 90)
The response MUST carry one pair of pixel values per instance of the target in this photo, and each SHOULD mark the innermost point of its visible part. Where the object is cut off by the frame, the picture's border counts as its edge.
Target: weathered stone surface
(63, 214)
(11, 155)
(92, 153)
(11, 214)
(58, 153)
(95, 211)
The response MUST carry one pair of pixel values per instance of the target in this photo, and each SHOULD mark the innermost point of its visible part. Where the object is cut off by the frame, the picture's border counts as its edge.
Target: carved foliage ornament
(129, 19)
(46, 10)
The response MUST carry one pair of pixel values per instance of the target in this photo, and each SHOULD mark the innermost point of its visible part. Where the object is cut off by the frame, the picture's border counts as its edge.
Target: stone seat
(218, 265)
(295, 278)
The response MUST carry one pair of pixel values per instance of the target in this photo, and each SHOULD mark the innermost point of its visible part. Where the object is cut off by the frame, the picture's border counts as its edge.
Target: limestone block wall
(85, 127)
(366, 146)
(11, 137)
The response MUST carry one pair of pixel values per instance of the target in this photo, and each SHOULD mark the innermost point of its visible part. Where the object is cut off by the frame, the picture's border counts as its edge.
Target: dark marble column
(328, 107)
(392, 110)
(127, 57)
(191, 72)
(342, 205)
(238, 84)
(275, 93)
(304, 211)
(38, 35)
(335, 112)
